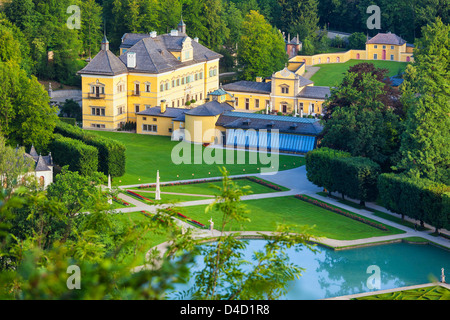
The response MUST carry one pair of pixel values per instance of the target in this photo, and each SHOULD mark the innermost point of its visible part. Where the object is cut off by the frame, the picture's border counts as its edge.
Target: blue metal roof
(269, 117)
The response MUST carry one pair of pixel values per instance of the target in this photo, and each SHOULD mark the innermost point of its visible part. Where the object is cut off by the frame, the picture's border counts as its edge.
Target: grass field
(209, 188)
(166, 198)
(331, 74)
(146, 154)
(266, 213)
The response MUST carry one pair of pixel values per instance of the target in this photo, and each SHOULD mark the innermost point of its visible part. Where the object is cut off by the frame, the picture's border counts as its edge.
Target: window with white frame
(98, 111)
(150, 128)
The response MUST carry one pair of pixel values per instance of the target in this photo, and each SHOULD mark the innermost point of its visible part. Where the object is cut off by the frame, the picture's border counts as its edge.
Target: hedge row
(111, 153)
(341, 212)
(338, 171)
(417, 198)
(74, 153)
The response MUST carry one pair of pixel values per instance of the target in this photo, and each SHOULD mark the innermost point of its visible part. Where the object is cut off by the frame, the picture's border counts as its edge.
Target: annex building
(383, 46)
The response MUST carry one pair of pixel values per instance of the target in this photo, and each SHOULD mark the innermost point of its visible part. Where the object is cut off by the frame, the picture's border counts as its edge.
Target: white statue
(211, 224)
(158, 189)
(442, 276)
(109, 187)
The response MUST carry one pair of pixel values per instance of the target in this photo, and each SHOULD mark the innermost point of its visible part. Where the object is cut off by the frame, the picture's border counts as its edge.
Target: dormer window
(187, 52)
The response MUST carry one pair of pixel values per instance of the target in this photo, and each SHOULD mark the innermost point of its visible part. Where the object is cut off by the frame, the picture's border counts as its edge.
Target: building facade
(384, 46)
(286, 91)
(151, 68)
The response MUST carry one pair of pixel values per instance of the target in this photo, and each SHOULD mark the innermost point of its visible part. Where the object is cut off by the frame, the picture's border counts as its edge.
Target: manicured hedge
(74, 153)
(416, 198)
(111, 153)
(319, 167)
(356, 177)
(338, 171)
(71, 121)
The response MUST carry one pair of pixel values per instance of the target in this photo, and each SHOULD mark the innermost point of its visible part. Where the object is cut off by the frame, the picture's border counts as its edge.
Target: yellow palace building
(151, 68)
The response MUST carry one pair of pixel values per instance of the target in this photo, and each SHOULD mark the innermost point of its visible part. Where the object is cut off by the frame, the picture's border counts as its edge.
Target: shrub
(319, 166)
(74, 153)
(356, 177)
(417, 198)
(111, 153)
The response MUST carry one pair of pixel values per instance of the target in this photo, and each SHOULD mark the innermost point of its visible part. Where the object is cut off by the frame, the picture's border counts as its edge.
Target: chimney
(163, 106)
(153, 34)
(174, 33)
(196, 39)
(131, 60)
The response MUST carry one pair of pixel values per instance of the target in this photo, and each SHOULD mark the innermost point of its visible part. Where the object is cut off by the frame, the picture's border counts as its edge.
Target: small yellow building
(384, 46)
(151, 68)
(286, 91)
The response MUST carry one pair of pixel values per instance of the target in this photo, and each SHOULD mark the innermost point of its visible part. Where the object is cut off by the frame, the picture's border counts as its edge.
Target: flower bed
(179, 183)
(122, 202)
(138, 196)
(264, 183)
(189, 220)
(250, 178)
(341, 212)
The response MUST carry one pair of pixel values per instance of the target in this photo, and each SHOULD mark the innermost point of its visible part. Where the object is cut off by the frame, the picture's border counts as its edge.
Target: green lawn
(147, 239)
(266, 213)
(208, 188)
(331, 74)
(166, 198)
(146, 154)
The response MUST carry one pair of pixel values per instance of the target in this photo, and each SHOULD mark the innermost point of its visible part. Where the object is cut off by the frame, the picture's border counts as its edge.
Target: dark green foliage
(357, 41)
(71, 121)
(111, 153)
(71, 109)
(417, 198)
(74, 153)
(425, 144)
(356, 177)
(319, 166)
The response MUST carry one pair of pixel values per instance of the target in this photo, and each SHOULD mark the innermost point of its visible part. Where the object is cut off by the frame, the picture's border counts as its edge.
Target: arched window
(41, 181)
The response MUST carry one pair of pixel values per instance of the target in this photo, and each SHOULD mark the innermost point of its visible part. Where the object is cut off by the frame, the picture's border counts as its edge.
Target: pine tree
(425, 145)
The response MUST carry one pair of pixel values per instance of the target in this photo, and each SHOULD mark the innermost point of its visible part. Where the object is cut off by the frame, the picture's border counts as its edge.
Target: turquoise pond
(329, 273)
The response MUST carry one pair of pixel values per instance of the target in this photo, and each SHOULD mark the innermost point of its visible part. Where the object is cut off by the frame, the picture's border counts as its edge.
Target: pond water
(329, 273)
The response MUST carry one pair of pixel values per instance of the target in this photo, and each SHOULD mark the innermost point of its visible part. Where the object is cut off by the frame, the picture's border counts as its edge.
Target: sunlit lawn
(146, 154)
(210, 188)
(331, 74)
(266, 213)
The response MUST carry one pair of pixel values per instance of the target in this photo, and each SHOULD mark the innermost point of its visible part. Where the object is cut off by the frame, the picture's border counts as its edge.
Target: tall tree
(425, 144)
(261, 48)
(359, 121)
(91, 26)
(299, 16)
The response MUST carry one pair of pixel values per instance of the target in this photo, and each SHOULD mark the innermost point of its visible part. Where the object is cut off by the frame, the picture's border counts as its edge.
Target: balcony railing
(96, 96)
